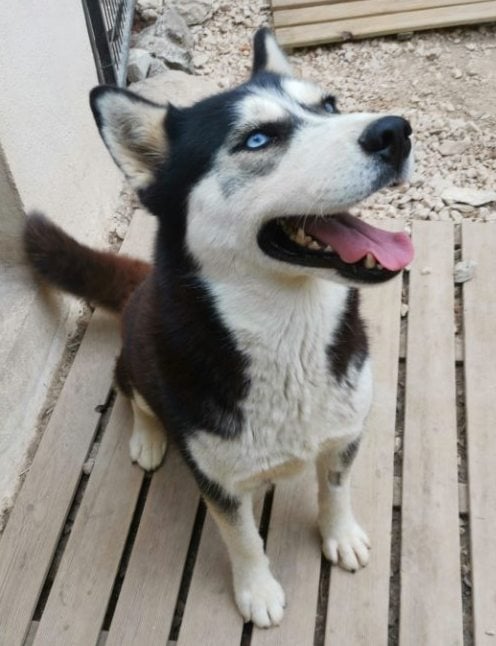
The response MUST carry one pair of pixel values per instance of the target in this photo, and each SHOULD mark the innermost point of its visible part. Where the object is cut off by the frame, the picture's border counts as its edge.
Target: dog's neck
(271, 308)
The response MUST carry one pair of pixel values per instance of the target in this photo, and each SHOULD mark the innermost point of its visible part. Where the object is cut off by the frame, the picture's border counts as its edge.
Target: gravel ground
(444, 82)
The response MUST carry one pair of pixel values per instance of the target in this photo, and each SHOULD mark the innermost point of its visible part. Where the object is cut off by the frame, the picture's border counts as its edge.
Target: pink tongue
(352, 239)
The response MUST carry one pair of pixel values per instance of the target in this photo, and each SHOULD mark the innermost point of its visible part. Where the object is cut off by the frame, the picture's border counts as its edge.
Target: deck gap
(265, 517)
(105, 410)
(400, 420)
(394, 580)
(188, 571)
(263, 529)
(464, 519)
(395, 556)
(126, 553)
(322, 602)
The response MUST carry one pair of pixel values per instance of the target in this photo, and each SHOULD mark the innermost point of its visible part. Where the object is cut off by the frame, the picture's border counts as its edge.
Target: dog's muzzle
(389, 139)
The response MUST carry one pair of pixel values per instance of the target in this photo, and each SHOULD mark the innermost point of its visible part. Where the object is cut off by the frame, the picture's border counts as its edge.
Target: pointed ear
(133, 130)
(268, 56)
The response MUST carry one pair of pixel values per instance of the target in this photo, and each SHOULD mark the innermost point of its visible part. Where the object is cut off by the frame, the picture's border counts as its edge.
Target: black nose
(389, 138)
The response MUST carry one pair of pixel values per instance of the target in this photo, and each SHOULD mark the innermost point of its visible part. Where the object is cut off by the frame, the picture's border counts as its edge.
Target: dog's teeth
(300, 236)
(314, 245)
(379, 266)
(329, 248)
(369, 261)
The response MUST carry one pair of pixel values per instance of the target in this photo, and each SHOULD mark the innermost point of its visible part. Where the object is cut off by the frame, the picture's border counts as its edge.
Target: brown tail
(100, 277)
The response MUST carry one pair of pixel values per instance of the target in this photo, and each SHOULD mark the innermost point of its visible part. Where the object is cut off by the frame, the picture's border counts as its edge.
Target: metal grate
(109, 25)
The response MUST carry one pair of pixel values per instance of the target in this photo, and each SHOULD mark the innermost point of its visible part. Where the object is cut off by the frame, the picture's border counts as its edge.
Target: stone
(464, 271)
(472, 196)
(149, 9)
(176, 87)
(138, 64)
(195, 12)
(448, 148)
(169, 40)
(157, 67)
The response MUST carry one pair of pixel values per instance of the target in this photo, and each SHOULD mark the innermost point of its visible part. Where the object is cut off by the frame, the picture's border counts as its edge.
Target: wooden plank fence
(300, 23)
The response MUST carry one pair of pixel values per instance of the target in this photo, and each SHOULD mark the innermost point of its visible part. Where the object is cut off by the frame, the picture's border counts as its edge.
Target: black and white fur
(254, 365)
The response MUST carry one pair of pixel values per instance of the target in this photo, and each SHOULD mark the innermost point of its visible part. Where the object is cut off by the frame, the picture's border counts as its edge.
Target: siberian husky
(244, 339)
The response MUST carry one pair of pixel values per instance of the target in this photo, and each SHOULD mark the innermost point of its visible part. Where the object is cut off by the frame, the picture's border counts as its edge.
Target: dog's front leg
(344, 542)
(258, 595)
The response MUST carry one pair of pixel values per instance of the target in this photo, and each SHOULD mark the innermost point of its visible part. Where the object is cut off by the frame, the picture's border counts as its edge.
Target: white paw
(347, 545)
(260, 598)
(147, 447)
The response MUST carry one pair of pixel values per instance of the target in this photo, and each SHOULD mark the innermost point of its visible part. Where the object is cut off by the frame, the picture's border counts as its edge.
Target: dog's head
(260, 178)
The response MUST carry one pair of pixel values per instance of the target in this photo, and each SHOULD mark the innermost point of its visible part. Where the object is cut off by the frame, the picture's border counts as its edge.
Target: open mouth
(355, 249)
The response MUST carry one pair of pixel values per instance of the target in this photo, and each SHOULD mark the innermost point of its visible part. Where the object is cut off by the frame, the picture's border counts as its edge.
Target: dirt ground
(444, 82)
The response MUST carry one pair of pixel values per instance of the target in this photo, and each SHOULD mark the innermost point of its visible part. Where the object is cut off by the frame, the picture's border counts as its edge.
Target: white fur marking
(276, 60)
(259, 597)
(344, 542)
(148, 441)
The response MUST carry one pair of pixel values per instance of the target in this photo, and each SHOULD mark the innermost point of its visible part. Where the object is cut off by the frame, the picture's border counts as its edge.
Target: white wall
(53, 160)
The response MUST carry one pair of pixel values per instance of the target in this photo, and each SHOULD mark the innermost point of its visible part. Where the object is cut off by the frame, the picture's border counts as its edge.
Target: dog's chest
(294, 403)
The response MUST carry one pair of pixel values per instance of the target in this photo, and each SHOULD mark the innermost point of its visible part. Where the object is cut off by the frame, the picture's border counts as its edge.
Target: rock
(176, 87)
(138, 65)
(88, 466)
(404, 310)
(448, 148)
(464, 270)
(149, 9)
(157, 67)
(457, 73)
(169, 40)
(472, 196)
(201, 59)
(194, 12)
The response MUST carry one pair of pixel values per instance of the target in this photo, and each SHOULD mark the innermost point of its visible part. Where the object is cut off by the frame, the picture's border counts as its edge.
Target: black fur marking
(350, 344)
(260, 50)
(348, 454)
(209, 489)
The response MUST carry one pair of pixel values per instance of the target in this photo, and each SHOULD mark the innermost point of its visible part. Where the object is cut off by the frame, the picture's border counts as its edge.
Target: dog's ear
(133, 130)
(268, 56)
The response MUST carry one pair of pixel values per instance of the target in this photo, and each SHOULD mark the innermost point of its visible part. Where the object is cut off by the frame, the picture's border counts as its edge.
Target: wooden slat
(357, 9)
(479, 299)
(79, 597)
(210, 616)
(295, 4)
(431, 606)
(34, 527)
(293, 547)
(358, 604)
(355, 28)
(30, 538)
(148, 596)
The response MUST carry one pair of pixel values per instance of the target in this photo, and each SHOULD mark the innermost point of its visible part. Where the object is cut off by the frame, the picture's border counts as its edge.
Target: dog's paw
(260, 598)
(347, 545)
(147, 447)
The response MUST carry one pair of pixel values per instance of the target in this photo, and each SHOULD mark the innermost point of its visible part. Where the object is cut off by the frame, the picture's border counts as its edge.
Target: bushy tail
(101, 277)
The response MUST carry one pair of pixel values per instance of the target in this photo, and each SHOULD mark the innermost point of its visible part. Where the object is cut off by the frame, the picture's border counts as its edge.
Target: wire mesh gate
(109, 25)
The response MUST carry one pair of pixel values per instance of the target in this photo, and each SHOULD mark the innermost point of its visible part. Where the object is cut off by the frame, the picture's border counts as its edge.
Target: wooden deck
(118, 558)
(314, 22)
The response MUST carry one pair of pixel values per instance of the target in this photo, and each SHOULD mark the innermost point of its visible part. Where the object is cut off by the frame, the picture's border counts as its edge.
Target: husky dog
(244, 339)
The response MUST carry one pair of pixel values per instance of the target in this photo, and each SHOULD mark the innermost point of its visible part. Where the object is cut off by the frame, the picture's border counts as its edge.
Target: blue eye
(257, 140)
(329, 104)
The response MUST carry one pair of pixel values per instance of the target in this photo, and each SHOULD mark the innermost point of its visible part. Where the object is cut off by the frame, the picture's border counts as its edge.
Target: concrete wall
(51, 158)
